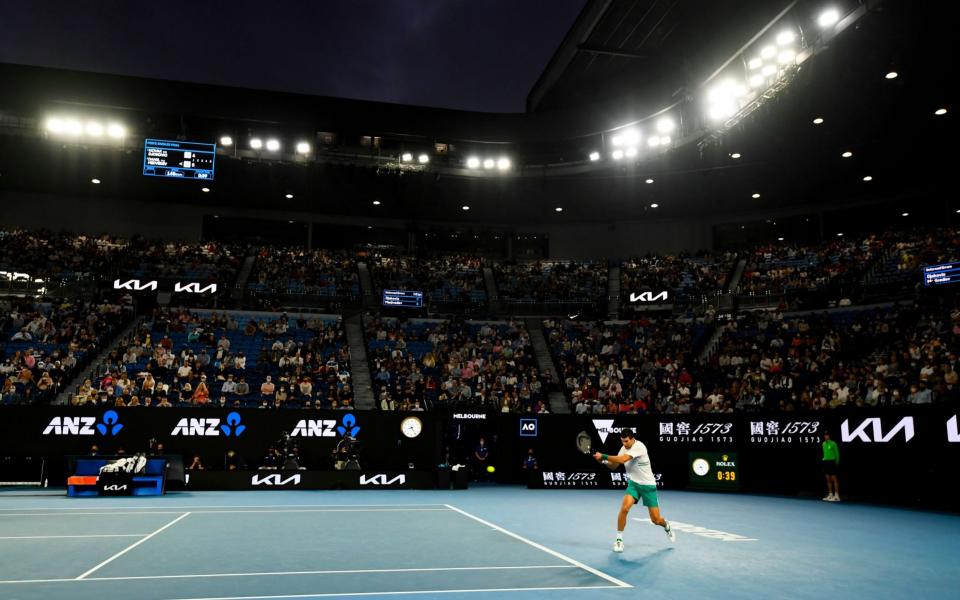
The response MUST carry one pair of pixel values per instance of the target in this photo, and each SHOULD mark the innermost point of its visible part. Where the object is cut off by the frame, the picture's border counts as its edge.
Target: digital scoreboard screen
(941, 274)
(403, 298)
(183, 160)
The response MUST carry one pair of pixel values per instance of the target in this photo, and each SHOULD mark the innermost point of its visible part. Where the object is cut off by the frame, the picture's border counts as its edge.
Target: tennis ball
(490, 469)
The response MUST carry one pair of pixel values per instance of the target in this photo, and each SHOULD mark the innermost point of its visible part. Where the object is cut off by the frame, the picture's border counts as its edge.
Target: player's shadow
(644, 561)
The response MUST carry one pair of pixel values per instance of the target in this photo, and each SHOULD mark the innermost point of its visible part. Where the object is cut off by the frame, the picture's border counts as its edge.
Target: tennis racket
(584, 443)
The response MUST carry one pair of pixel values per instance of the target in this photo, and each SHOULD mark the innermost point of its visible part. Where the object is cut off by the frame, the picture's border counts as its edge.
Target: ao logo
(876, 429)
(210, 427)
(528, 427)
(85, 425)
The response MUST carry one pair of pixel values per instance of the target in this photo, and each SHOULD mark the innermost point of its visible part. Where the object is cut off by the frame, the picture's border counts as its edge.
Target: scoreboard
(941, 274)
(183, 160)
(714, 471)
(403, 298)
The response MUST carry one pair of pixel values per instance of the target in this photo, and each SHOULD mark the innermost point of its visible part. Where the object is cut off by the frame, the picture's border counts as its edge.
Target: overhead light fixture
(559, 209)
(630, 137)
(786, 57)
(940, 111)
(868, 178)
(786, 37)
(594, 156)
(769, 71)
(503, 163)
(653, 141)
(847, 154)
(906, 214)
(94, 129)
(473, 162)
(768, 52)
(256, 143)
(205, 190)
(72, 127)
(289, 196)
(273, 145)
(616, 140)
(891, 75)
(755, 195)
(226, 141)
(423, 159)
(840, 234)
(828, 17)
(757, 80)
(376, 203)
(779, 239)
(95, 181)
(631, 152)
(465, 207)
(818, 121)
(666, 125)
(735, 155)
(649, 180)
(406, 157)
(488, 163)
(116, 131)
(617, 154)
(755, 63)
(654, 205)
(665, 140)
(303, 148)
(55, 125)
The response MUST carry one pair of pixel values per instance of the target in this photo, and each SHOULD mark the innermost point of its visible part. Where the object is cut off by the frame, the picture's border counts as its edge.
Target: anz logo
(109, 426)
(648, 296)
(190, 427)
(315, 428)
(349, 426)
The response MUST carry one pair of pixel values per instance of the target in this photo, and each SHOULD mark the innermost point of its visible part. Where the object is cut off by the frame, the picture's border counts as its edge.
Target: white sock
(620, 535)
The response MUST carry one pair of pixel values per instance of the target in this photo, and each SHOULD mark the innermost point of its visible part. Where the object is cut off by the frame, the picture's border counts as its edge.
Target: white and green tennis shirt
(638, 468)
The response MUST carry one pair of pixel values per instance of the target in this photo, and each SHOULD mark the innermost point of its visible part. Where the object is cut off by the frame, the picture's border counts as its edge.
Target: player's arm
(612, 461)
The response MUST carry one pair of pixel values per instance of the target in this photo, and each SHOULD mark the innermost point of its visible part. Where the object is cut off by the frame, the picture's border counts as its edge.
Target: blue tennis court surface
(489, 542)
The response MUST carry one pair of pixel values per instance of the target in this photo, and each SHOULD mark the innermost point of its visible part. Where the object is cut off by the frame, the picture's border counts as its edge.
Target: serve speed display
(179, 160)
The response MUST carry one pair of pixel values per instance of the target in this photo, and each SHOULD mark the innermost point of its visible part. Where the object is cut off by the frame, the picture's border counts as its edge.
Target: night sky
(466, 54)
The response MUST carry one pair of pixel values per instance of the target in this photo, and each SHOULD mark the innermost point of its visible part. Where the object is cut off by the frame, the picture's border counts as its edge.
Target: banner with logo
(310, 480)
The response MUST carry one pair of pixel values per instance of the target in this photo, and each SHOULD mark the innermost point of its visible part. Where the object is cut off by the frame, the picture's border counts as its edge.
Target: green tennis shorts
(646, 493)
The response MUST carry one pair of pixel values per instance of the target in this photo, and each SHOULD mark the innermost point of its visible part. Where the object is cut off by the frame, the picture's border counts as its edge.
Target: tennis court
(488, 542)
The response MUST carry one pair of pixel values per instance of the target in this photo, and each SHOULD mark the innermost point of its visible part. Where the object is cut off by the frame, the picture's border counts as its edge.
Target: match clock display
(411, 427)
(714, 471)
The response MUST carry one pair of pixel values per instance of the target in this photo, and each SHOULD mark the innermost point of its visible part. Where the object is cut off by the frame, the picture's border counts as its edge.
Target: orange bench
(82, 480)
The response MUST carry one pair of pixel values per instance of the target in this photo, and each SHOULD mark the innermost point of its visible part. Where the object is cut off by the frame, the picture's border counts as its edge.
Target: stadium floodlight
(55, 125)
(654, 205)
(205, 190)
(273, 145)
(617, 154)
(769, 71)
(847, 154)
(226, 140)
(616, 140)
(786, 57)
(72, 127)
(630, 137)
(594, 156)
(95, 181)
(755, 195)
(906, 214)
(892, 75)
(503, 163)
(666, 125)
(406, 157)
(940, 112)
(376, 203)
(768, 52)
(423, 159)
(779, 239)
(649, 180)
(840, 234)
(868, 178)
(665, 140)
(94, 129)
(489, 163)
(755, 63)
(786, 37)
(735, 155)
(464, 207)
(631, 152)
(818, 121)
(303, 148)
(473, 162)
(256, 143)
(828, 17)
(757, 80)
(116, 130)
(289, 196)
(559, 209)
(653, 141)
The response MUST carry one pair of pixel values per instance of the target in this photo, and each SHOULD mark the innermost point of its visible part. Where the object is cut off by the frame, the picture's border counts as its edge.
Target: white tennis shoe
(618, 546)
(670, 532)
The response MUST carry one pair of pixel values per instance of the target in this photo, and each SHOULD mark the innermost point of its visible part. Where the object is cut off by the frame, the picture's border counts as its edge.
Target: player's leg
(625, 506)
(836, 488)
(650, 500)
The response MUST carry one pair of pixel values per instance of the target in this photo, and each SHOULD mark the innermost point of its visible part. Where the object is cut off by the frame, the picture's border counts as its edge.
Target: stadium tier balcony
(301, 277)
(552, 287)
(449, 283)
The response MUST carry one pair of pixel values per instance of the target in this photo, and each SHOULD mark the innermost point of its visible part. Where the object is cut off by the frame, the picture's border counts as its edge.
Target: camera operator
(346, 454)
(289, 453)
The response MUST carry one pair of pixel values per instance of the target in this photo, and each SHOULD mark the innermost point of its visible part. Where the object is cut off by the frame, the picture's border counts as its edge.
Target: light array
(501, 164)
(626, 142)
(90, 129)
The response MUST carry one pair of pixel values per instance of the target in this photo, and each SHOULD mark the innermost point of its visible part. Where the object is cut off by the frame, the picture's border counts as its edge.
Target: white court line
(215, 512)
(563, 557)
(60, 537)
(283, 573)
(134, 545)
(409, 592)
(714, 534)
(167, 506)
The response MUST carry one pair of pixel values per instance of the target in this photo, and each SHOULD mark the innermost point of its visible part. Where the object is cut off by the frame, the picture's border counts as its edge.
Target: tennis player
(641, 485)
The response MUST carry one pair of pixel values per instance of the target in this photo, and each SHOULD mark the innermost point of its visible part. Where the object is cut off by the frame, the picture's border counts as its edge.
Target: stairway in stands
(558, 402)
(119, 342)
(359, 367)
(493, 296)
(613, 291)
(243, 276)
(366, 286)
